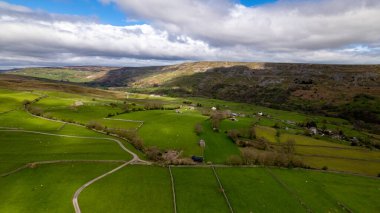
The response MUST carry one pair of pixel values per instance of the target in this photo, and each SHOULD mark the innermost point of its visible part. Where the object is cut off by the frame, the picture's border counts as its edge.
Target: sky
(161, 32)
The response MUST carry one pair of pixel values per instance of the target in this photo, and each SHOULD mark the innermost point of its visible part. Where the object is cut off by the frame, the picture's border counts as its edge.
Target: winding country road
(135, 159)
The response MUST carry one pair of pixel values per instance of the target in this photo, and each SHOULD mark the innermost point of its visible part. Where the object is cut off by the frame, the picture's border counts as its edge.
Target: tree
(95, 125)
(252, 133)
(216, 118)
(198, 128)
(288, 147)
(153, 153)
(234, 134)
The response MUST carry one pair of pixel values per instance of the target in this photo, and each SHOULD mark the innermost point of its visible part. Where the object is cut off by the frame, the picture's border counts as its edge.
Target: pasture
(131, 189)
(47, 188)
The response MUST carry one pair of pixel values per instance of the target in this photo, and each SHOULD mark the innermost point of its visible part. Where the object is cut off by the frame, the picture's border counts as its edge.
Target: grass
(60, 74)
(218, 146)
(47, 188)
(343, 165)
(254, 190)
(168, 130)
(11, 100)
(21, 119)
(198, 191)
(343, 153)
(18, 147)
(267, 133)
(132, 189)
(325, 192)
(304, 140)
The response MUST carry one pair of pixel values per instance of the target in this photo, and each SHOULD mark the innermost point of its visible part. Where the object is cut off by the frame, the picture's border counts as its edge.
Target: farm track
(290, 191)
(31, 164)
(173, 189)
(222, 189)
(135, 159)
(77, 193)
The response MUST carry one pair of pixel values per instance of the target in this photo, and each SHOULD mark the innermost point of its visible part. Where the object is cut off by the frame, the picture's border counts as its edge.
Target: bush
(234, 134)
(270, 158)
(35, 110)
(153, 153)
(153, 106)
(26, 102)
(95, 125)
(325, 168)
(249, 156)
(288, 147)
(252, 133)
(234, 160)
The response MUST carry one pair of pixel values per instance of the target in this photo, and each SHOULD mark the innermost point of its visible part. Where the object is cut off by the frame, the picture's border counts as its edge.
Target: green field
(59, 74)
(26, 138)
(168, 129)
(198, 191)
(47, 188)
(251, 189)
(132, 189)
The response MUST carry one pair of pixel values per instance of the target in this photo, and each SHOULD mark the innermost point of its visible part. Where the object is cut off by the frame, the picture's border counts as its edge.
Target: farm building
(313, 130)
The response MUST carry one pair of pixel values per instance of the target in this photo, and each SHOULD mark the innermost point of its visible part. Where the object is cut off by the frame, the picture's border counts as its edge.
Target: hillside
(17, 82)
(329, 89)
(67, 74)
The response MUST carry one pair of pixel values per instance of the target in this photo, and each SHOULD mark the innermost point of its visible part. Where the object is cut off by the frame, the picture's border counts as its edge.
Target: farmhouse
(313, 130)
(213, 108)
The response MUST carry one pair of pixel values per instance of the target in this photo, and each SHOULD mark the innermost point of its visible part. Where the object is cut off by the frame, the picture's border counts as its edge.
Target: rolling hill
(348, 91)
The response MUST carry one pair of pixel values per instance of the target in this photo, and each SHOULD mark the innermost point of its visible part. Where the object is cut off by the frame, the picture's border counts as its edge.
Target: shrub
(325, 168)
(249, 156)
(26, 102)
(234, 134)
(252, 133)
(288, 147)
(153, 153)
(153, 106)
(95, 125)
(35, 110)
(234, 160)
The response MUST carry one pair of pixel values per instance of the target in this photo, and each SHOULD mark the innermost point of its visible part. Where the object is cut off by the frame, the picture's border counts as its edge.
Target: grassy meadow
(143, 188)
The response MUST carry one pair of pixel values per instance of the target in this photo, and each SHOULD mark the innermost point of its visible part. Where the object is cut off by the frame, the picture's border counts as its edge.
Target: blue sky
(105, 13)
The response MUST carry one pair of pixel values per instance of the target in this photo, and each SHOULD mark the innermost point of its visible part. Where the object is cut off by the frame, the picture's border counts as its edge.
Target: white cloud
(35, 36)
(283, 25)
(321, 31)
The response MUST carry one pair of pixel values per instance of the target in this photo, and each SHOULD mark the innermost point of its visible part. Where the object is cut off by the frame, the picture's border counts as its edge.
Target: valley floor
(49, 163)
